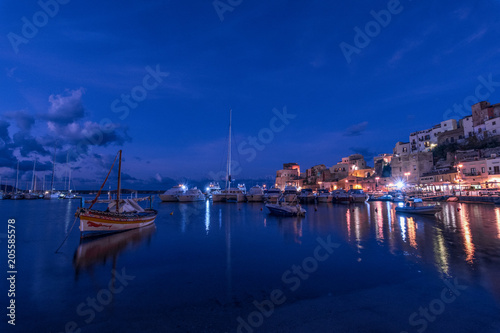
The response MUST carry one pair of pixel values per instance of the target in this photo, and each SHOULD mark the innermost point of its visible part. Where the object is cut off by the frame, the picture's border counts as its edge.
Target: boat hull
(92, 221)
(285, 210)
(190, 198)
(325, 199)
(168, 197)
(221, 197)
(427, 210)
(255, 197)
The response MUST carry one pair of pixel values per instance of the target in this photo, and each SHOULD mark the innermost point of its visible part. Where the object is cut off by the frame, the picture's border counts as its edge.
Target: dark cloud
(23, 119)
(67, 109)
(28, 145)
(365, 151)
(356, 129)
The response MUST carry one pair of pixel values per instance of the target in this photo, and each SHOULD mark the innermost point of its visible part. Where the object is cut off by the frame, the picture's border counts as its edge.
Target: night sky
(158, 78)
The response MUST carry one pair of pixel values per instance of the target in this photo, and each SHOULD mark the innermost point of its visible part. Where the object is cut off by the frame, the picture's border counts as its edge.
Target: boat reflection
(97, 251)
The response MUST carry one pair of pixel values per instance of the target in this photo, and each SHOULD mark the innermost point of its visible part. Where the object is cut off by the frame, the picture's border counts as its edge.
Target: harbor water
(215, 267)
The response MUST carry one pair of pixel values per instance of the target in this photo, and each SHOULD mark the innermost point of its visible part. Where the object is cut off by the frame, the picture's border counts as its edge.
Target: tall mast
(67, 163)
(17, 176)
(228, 170)
(33, 178)
(119, 184)
(53, 171)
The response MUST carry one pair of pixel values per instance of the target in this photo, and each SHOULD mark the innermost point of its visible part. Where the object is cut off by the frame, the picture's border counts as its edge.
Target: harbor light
(400, 185)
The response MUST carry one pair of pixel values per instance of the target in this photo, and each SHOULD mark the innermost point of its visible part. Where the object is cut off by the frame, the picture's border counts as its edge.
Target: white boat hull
(423, 210)
(255, 197)
(190, 198)
(325, 199)
(168, 197)
(222, 197)
(286, 210)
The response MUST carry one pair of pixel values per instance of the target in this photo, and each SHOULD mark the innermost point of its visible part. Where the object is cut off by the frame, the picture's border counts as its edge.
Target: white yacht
(357, 195)
(272, 195)
(191, 195)
(306, 196)
(290, 193)
(340, 196)
(243, 188)
(212, 188)
(255, 194)
(172, 194)
(325, 196)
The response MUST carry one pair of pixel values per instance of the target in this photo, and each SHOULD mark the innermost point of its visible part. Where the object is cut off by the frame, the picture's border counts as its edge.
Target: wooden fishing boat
(120, 215)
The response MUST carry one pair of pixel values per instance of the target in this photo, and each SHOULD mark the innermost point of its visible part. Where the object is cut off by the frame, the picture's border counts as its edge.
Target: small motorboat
(283, 208)
(452, 199)
(417, 207)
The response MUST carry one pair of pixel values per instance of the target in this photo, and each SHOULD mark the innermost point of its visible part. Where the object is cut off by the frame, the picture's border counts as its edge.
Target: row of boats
(180, 193)
(38, 195)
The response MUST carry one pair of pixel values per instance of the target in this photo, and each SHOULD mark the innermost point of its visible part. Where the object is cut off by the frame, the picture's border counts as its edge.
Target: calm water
(204, 265)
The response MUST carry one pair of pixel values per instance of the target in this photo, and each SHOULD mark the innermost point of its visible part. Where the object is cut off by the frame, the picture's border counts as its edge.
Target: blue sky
(59, 82)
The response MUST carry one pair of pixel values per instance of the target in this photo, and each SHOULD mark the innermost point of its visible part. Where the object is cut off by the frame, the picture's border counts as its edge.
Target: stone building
(415, 164)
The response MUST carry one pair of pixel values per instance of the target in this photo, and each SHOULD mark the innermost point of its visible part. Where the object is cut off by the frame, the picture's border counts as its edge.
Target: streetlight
(407, 174)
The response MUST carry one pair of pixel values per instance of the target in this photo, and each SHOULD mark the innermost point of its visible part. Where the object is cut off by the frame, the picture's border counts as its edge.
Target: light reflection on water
(202, 252)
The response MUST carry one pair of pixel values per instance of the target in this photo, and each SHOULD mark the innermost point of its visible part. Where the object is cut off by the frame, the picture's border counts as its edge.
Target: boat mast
(53, 171)
(33, 185)
(228, 170)
(119, 183)
(17, 176)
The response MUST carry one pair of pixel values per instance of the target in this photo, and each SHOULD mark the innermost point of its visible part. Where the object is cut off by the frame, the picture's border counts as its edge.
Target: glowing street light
(407, 174)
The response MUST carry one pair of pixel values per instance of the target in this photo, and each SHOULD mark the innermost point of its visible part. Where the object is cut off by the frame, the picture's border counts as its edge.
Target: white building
(427, 139)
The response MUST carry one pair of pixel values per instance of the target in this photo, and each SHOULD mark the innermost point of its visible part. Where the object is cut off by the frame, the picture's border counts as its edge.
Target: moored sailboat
(229, 194)
(121, 214)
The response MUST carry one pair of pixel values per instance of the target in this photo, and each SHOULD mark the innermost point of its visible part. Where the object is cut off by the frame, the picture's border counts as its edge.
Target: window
(414, 168)
(482, 170)
(405, 150)
(445, 125)
(452, 139)
(494, 123)
(472, 170)
(400, 170)
(494, 131)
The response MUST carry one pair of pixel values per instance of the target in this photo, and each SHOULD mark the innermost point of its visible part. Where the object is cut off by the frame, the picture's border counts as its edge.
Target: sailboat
(32, 195)
(229, 194)
(121, 214)
(17, 195)
(52, 194)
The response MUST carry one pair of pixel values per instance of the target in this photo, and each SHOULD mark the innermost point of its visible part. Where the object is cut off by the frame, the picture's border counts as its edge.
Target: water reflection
(98, 251)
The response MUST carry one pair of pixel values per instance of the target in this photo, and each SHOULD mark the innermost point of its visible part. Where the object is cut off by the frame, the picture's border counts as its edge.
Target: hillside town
(453, 155)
